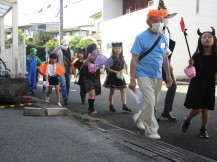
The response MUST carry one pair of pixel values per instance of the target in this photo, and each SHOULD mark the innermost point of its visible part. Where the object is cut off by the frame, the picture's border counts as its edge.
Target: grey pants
(168, 104)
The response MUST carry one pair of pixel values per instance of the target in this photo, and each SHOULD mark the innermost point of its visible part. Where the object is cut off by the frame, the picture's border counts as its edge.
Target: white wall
(125, 28)
(204, 20)
(112, 9)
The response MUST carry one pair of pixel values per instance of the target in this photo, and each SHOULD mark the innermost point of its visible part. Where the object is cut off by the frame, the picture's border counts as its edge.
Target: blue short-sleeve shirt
(151, 64)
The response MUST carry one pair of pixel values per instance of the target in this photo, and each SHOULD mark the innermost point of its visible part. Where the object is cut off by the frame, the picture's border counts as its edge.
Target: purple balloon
(101, 60)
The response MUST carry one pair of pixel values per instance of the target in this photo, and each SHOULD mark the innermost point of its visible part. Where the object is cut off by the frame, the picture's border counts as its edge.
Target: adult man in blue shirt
(148, 71)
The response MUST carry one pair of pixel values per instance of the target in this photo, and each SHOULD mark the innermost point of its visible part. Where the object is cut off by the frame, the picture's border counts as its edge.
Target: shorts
(54, 80)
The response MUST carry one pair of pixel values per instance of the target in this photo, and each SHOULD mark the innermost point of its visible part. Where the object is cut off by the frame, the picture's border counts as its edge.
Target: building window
(130, 6)
(42, 27)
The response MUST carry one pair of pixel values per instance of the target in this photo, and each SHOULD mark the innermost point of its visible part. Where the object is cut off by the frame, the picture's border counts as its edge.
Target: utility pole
(61, 20)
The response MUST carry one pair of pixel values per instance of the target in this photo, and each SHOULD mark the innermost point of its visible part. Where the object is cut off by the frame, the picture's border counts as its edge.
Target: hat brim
(171, 15)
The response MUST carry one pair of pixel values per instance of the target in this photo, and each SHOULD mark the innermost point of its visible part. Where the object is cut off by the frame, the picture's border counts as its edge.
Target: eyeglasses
(162, 12)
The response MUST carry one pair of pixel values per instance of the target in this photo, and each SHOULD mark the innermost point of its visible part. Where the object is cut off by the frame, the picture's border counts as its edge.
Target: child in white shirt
(52, 72)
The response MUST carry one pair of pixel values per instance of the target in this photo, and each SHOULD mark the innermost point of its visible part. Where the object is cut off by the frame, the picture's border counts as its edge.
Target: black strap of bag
(152, 47)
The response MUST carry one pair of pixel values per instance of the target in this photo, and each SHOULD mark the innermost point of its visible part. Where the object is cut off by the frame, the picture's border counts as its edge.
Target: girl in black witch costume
(81, 72)
(115, 79)
(91, 80)
(201, 91)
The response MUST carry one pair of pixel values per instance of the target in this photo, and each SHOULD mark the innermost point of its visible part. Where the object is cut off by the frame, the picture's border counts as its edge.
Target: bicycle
(4, 71)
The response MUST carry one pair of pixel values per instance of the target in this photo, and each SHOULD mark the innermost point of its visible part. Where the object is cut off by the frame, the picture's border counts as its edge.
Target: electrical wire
(47, 5)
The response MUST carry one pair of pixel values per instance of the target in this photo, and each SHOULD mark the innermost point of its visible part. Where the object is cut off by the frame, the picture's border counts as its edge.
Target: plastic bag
(136, 116)
(120, 75)
(92, 68)
(45, 83)
(137, 95)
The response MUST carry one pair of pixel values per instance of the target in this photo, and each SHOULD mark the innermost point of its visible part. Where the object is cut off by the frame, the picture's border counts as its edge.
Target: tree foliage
(77, 42)
(73, 42)
(52, 45)
(84, 43)
(42, 37)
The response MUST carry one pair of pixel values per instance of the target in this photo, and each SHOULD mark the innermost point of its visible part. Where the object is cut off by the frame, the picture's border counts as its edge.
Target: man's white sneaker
(154, 136)
(59, 104)
(47, 99)
(140, 125)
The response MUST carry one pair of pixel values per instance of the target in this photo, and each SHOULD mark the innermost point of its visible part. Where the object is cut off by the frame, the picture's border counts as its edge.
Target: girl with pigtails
(200, 97)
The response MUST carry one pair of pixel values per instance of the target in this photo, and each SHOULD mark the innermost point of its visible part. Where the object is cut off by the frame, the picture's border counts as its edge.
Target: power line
(47, 5)
(73, 3)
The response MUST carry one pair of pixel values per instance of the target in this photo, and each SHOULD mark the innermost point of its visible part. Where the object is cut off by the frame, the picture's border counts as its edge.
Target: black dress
(92, 81)
(111, 80)
(201, 90)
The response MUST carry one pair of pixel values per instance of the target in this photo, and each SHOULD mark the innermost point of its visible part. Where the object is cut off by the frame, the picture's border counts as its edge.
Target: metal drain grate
(157, 147)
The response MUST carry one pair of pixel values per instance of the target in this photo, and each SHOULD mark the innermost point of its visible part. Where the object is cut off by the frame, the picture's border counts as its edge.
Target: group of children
(200, 96)
(89, 82)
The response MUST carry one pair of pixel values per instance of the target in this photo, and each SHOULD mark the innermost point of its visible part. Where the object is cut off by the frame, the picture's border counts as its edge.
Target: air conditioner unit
(150, 3)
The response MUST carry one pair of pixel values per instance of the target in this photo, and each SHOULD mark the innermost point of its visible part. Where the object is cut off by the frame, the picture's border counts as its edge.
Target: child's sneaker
(112, 109)
(126, 109)
(59, 104)
(185, 125)
(47, 99)
(204, 133)
(92, 112)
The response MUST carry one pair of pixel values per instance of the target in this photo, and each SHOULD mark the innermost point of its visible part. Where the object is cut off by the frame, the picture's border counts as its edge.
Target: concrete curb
(33, 111)
(39, 111)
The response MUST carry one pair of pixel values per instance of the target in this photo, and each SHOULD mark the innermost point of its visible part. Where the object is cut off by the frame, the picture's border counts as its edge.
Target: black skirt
(113, 82)
(92, 83)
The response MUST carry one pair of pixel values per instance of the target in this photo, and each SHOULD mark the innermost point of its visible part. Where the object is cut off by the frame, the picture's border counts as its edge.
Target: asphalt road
(170, 131)
(55, 139)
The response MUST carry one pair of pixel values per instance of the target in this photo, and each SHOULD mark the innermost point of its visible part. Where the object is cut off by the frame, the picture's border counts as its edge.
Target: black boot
(91, 107)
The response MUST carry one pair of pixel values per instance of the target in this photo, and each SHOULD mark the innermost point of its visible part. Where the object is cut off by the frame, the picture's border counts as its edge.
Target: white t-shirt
(51, 69)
